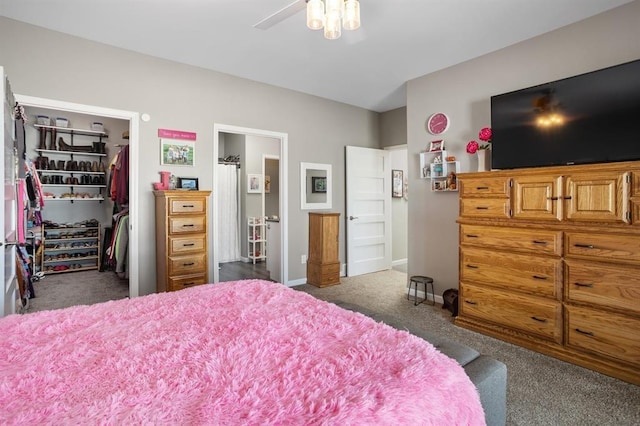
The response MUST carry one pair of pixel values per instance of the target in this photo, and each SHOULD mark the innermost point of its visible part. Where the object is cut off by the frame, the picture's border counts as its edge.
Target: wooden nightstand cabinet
(323, 264)
(181, 239)
(550, 260)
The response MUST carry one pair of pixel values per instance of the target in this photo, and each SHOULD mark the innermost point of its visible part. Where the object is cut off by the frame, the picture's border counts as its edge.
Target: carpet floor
(541, 390)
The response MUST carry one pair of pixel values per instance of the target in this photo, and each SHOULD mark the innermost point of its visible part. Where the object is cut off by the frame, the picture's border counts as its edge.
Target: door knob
(352, 217)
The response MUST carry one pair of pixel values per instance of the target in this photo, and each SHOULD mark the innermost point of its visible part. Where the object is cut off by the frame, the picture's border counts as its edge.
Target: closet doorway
(132, 118)
(240, 185)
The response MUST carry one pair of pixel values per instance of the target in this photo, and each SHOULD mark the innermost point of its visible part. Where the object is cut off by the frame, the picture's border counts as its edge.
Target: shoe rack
(71, 171)
(70, 247)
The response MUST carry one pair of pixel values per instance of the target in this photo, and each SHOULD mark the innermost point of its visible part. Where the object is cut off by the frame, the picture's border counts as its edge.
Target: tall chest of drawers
(181, 239)
(550, 260)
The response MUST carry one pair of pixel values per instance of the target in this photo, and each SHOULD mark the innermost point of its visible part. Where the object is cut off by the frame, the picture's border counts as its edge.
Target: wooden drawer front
(190, 244)
(533, 240)
(188, 281)
(485, 207)
(536, 198)
(613, 335)
(531, 315)
(635, 185)
(605, 285)
(490, 186)
(597, 197)
(323, 274)
(182, 225)
(635, 212)
(624, 248)
(531, 274)
(181, 265)
(197, 205)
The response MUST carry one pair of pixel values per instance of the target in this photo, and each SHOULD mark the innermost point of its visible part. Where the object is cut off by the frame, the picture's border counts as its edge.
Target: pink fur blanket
(245, 352)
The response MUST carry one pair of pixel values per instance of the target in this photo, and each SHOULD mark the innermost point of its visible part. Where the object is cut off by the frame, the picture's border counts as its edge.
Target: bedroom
(102, 75)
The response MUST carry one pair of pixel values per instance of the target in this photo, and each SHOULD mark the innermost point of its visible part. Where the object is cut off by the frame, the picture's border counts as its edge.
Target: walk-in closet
(76, 207)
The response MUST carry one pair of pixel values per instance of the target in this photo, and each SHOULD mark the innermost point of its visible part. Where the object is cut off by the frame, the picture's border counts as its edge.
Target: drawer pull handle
(539, 319)
(584, 285)
(472, 267)
(188, 264)
(539, 277)
(470, 302)
(187, 284)
(552, 198)
(567, 198)
(188, 245)
(188, 206)
(586, 333)
(188, 225)
(472, 236)
(482, 208)
(544, 243)
(482, 188)
(589, 246)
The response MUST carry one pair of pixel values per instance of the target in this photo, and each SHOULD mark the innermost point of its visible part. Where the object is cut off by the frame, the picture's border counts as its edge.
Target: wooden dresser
(550, 260)
(323, 264)
(181, 239)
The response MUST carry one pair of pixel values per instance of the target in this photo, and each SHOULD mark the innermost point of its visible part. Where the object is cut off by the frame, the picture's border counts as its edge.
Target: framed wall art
(177, 153)
(318, 184)
(397, 183)
(254, 183)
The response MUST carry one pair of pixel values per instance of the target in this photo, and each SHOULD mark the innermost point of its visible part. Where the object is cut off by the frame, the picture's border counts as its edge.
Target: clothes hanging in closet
(119, 177)
(119, 248)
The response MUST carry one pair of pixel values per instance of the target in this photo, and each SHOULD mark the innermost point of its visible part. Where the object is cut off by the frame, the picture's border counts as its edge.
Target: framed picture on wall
(254, 183)
(436, 146)
(318, 184)
(177, 153)
(397, 184)
(267, 184)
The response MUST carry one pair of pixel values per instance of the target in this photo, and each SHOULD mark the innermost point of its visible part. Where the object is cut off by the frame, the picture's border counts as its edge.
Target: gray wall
(464, 91)
(272, 198)
(52, 65)
(399, 209)
(393, 127)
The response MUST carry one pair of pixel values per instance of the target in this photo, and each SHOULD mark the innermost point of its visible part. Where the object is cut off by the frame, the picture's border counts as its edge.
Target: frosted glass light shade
(334, 7)
(332, 27)
(351, 19)
(315, 14)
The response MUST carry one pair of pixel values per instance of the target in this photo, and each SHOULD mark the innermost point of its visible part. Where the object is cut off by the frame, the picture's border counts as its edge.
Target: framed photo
(177, 153)
(254, 183)
(267, 184)
(318, 184)
(436, 146)
(188, 183)
(397, 183)
(439, 185)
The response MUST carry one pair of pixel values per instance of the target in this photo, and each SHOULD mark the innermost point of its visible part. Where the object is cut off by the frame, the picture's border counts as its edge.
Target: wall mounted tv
(589, 118)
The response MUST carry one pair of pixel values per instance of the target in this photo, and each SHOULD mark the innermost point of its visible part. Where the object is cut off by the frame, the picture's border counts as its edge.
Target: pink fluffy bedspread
(245, 352)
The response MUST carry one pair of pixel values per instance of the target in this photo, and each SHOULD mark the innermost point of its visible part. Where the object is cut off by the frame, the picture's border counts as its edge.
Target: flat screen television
(589, 118)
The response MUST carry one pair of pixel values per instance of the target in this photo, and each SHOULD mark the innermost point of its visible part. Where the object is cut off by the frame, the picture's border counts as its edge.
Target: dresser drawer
(180, 265)
(186, 281)
(532, 240)
(182, 225)
(524, 273)
(196, 205)
(531, 315)
(485, 207)
(615, 336)
(181, 245)
(490, 186)
(605, 285)
(616, 247)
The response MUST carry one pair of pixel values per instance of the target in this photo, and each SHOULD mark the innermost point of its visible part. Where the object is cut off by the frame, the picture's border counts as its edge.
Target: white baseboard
(399, 262)
(293, 283)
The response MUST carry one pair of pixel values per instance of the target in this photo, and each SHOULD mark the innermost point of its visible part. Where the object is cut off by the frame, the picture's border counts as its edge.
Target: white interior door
(8, 194)
(368, 210)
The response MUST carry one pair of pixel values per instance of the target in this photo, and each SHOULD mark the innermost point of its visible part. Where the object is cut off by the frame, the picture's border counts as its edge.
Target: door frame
(134, 153)
(284, 202)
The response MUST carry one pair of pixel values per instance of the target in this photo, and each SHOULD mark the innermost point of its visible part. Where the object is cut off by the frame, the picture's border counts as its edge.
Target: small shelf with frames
(440, 169)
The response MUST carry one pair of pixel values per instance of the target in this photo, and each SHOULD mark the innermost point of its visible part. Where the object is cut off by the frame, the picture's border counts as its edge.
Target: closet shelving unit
(70, 248)
(53, 155)
(257, 236)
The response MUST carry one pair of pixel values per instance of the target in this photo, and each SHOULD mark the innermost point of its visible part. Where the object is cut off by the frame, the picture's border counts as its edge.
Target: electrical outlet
(303, 259)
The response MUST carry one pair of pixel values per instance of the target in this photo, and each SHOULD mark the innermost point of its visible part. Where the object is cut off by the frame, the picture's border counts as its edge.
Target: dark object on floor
(450, 301)
(427, 281)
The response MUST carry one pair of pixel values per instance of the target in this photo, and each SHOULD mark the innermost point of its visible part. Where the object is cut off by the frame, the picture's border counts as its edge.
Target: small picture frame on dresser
(190, 184)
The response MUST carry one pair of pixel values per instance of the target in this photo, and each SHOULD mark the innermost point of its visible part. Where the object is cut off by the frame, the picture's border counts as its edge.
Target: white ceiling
(399, 39)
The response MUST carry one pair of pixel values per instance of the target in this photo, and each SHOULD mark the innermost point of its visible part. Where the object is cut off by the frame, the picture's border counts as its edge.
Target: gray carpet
(58, 291)
(541, 390)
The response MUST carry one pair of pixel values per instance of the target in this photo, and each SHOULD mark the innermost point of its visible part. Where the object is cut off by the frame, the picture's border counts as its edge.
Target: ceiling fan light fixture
(332, 28)
(315, 14)
(351, 19)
